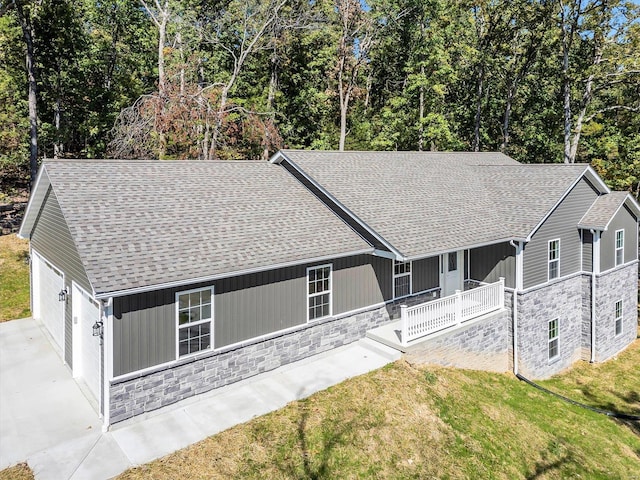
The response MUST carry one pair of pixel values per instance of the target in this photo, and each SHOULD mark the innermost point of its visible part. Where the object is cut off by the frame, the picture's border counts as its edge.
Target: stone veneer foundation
(481, 344)
(147, 392)
(485, 344)
(561, 299)
(608, 291)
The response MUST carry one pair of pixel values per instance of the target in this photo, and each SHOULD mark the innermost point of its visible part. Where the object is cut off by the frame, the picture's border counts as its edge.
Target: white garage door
(48, 281)
(86, 347)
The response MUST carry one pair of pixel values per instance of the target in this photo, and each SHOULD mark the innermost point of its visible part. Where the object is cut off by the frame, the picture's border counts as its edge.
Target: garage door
(86, 347)
(48, 281)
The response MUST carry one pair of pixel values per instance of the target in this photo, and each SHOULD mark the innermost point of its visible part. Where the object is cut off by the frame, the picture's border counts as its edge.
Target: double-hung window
(618, 318)
(553, 339)
(401, 279)
(554, 259)
(195, 314)
(619, 247)
(319, 291)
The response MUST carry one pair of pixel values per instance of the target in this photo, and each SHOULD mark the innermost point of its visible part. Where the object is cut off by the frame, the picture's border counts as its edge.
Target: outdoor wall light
(97, 329)
(62, 296)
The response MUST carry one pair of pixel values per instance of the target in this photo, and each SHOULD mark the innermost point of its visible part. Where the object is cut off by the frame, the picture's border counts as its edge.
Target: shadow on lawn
(542, 468)
(315, 453)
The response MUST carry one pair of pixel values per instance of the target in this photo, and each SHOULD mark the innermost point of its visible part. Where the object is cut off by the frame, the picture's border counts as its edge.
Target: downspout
(595, 268)
(516, 289)
(106, 307)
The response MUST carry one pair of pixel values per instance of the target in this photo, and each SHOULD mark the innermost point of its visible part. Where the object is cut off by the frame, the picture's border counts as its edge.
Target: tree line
(540, 80)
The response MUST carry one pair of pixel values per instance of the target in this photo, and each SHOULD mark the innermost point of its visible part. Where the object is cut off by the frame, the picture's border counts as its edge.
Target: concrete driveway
(41, 406)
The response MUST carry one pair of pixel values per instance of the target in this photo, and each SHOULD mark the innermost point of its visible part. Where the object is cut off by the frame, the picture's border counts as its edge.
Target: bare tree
(600, 24)
(356, 39)
(255, 19)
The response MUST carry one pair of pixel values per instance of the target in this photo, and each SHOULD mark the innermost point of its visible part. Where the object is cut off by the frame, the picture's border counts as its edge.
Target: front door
(452, 272)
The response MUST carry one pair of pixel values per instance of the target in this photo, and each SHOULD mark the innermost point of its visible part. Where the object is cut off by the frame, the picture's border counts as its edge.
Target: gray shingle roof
(140, 223)
(603, 210)
(426, 203)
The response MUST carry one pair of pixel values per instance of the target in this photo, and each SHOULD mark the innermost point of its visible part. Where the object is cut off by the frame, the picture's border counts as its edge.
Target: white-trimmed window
(194, 316)
(619, 247)
(554, 259)
(554, 347)
(319, 291)
(401, 279)
(618, 318)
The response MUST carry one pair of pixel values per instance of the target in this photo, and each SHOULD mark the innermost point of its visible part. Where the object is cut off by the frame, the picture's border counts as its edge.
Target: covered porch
(447, 314)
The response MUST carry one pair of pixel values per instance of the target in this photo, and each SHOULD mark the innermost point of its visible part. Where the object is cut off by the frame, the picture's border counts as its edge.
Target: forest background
(540, 80)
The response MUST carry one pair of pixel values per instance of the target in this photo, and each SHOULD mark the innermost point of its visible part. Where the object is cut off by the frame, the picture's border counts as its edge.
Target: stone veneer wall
(562, 300)
(154, 390)
(484, 344)
(618, 284)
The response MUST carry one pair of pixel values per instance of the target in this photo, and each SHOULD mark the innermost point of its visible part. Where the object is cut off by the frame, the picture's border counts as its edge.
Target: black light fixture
(97, 329)
(62, 296)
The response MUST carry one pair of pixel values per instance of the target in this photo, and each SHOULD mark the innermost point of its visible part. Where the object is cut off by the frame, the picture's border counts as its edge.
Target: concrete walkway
(47, 422)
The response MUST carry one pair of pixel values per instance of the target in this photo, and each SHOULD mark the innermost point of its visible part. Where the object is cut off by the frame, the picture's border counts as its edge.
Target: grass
(14, 278)
(20, 471)
(430, 422)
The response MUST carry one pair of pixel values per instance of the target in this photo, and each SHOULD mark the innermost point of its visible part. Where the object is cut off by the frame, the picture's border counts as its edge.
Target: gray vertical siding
(562, 224)
(245, 307)
(491, 262)
(587, 250)
(360, 281)
(253, 305)
(50, 237)
(425, 274)
(623, 219)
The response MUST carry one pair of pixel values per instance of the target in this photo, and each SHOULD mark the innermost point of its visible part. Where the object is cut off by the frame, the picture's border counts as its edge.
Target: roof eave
(210, 278)
(466, 247)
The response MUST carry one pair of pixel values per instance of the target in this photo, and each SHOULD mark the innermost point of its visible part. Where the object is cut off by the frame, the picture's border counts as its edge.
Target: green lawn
(14, 278)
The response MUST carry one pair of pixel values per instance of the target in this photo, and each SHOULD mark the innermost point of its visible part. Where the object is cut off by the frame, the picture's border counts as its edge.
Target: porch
(427, 320)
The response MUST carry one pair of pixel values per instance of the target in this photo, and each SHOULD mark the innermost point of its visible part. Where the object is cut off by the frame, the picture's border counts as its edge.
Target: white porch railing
(421, 320)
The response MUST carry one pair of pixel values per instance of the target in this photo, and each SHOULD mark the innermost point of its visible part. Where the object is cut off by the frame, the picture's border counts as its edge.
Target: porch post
(403, 325)
(501, 293)
(458, 307)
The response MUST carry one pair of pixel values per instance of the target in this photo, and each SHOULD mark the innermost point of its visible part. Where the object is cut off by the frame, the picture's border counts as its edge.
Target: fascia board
(29, 214)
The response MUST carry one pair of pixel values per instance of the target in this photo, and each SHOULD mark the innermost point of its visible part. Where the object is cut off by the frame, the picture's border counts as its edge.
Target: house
(160, 280)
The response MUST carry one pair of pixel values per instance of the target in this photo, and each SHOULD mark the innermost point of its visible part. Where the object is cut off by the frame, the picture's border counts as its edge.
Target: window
(553, 339)
(619, 317)
(554, 259)
(453, 262)
(319, 291)
(619, 247)
(401, 279)
(195, 312)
